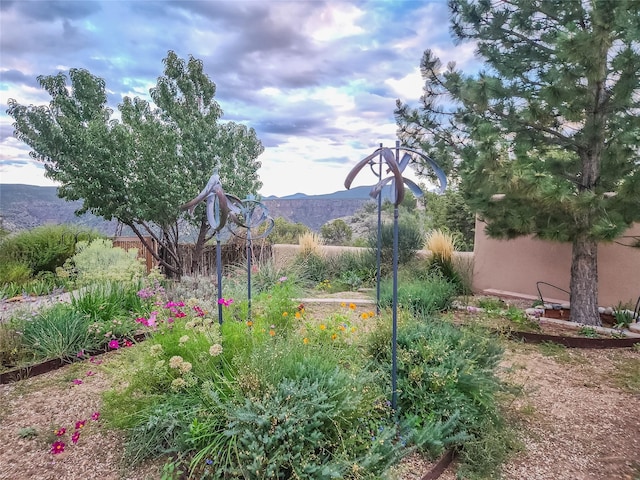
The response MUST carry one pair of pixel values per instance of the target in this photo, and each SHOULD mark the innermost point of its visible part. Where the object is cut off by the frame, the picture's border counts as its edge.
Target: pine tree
(546, 136)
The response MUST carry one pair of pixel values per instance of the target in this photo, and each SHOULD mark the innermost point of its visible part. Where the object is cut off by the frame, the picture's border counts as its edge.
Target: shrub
(43, 248)
(410, 240)
(421, 297)
(446, 384)
(99, 260)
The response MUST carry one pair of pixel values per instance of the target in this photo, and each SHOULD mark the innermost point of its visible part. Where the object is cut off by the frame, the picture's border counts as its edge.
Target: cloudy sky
(318, 80)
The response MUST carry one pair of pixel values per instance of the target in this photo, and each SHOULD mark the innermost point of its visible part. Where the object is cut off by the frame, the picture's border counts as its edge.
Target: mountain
(27, 206)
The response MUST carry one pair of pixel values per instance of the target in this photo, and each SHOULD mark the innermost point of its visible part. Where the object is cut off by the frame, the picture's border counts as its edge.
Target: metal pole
(394, 339)
(379, 239)
(219, 271)
(249, 272)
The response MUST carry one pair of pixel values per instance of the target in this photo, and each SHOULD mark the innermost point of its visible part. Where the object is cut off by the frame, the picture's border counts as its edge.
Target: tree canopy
(141, 167)
(545, 136)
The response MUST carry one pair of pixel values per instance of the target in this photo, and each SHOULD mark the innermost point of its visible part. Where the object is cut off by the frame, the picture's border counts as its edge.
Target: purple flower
(114, 344)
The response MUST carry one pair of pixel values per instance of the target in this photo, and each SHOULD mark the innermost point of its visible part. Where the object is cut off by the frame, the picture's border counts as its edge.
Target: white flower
(185, 367)
(178, 383)
(156, 350)
(215, 350)
(175, 361)
(183, 339)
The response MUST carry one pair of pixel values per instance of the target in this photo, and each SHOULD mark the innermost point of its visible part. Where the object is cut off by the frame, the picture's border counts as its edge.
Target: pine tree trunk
(584, 281)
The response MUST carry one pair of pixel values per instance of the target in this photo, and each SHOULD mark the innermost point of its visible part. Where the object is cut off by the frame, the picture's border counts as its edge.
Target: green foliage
(286, 232)
(14, 272)
(336, 232)
(58, 332)
(421, 297)
(550, 125)
(410, 240)
(101, 261)
(352, 270)
(446, 381)
(41, 249)
(449, 212)
(314, 267)
(140, 165)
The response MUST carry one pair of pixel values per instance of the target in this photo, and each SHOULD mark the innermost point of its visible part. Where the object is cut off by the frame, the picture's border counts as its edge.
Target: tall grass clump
(442, 246)
(57, 332)
(420, 296)
(310, 260)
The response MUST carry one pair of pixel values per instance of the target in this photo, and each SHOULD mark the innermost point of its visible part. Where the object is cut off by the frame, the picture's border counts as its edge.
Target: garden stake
(397, 181)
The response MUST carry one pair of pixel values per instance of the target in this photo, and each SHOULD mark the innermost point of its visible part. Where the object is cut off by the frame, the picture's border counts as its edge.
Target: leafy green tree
(450, 212)
(140, 169)
(336, 232)
(546, 136)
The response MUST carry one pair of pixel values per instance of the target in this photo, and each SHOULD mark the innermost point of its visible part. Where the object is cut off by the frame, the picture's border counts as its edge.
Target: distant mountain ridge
(28, 206)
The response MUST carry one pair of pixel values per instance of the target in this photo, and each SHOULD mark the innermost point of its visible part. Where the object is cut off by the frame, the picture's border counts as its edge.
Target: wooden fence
(232, 252)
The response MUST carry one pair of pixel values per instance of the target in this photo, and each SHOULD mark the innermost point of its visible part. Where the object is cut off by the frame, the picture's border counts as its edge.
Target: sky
(317, 80)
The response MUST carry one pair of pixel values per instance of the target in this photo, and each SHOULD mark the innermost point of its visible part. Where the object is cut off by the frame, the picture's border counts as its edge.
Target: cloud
(318, 80)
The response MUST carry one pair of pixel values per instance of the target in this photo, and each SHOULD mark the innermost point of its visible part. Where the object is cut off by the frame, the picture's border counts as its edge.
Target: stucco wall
(513, 267)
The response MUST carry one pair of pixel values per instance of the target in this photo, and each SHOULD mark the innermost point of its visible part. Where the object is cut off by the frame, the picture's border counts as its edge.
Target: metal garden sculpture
(217, 215)
(251, 221)
(395, 166)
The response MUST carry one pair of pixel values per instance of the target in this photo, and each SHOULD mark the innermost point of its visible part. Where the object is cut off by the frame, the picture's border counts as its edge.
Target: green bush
(421, 297)
(99, 260)
(43, 248)
(58, 332)
(447, 388)
(410, 240)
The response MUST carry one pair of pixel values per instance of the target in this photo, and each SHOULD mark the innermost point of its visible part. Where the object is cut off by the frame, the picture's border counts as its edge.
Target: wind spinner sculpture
(251, 221)
(217, 215)
(395, 166)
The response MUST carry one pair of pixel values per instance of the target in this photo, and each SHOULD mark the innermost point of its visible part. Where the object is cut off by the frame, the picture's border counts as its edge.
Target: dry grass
(441, 244)
(310, 244)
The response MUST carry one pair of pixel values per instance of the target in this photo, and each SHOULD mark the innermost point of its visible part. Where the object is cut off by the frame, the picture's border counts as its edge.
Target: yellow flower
(352, 306)
(353, 329)
(372, 314)
(285, 314)
(364, 315)
(272, 333)
(305, 340)
(343, 304)
(249, 323)
(298, 315)
(342, 328)
(323, 326)
(334, 336)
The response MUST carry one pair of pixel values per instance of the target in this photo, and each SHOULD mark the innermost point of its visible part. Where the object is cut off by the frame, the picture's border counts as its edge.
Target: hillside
(27, 206)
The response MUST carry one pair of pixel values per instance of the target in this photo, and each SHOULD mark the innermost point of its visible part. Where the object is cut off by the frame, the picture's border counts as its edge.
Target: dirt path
(578, 412)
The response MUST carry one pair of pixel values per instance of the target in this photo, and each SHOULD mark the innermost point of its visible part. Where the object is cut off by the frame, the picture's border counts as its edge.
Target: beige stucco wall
(514, 267)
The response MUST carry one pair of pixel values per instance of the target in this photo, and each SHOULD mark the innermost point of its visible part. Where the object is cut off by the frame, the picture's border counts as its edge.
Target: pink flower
(226, 303)
(152, 321)
(60, 432)
(95, 360)
(80, 354)
(180, 314)
(57, 447)
(128, 343)
(90, 373)
(114, 344)
(77, 381)
(80, 424)
(95, 416)
(75, 437)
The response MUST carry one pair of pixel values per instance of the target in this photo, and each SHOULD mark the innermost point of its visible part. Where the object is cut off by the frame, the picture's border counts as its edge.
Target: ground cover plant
(272, 393)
